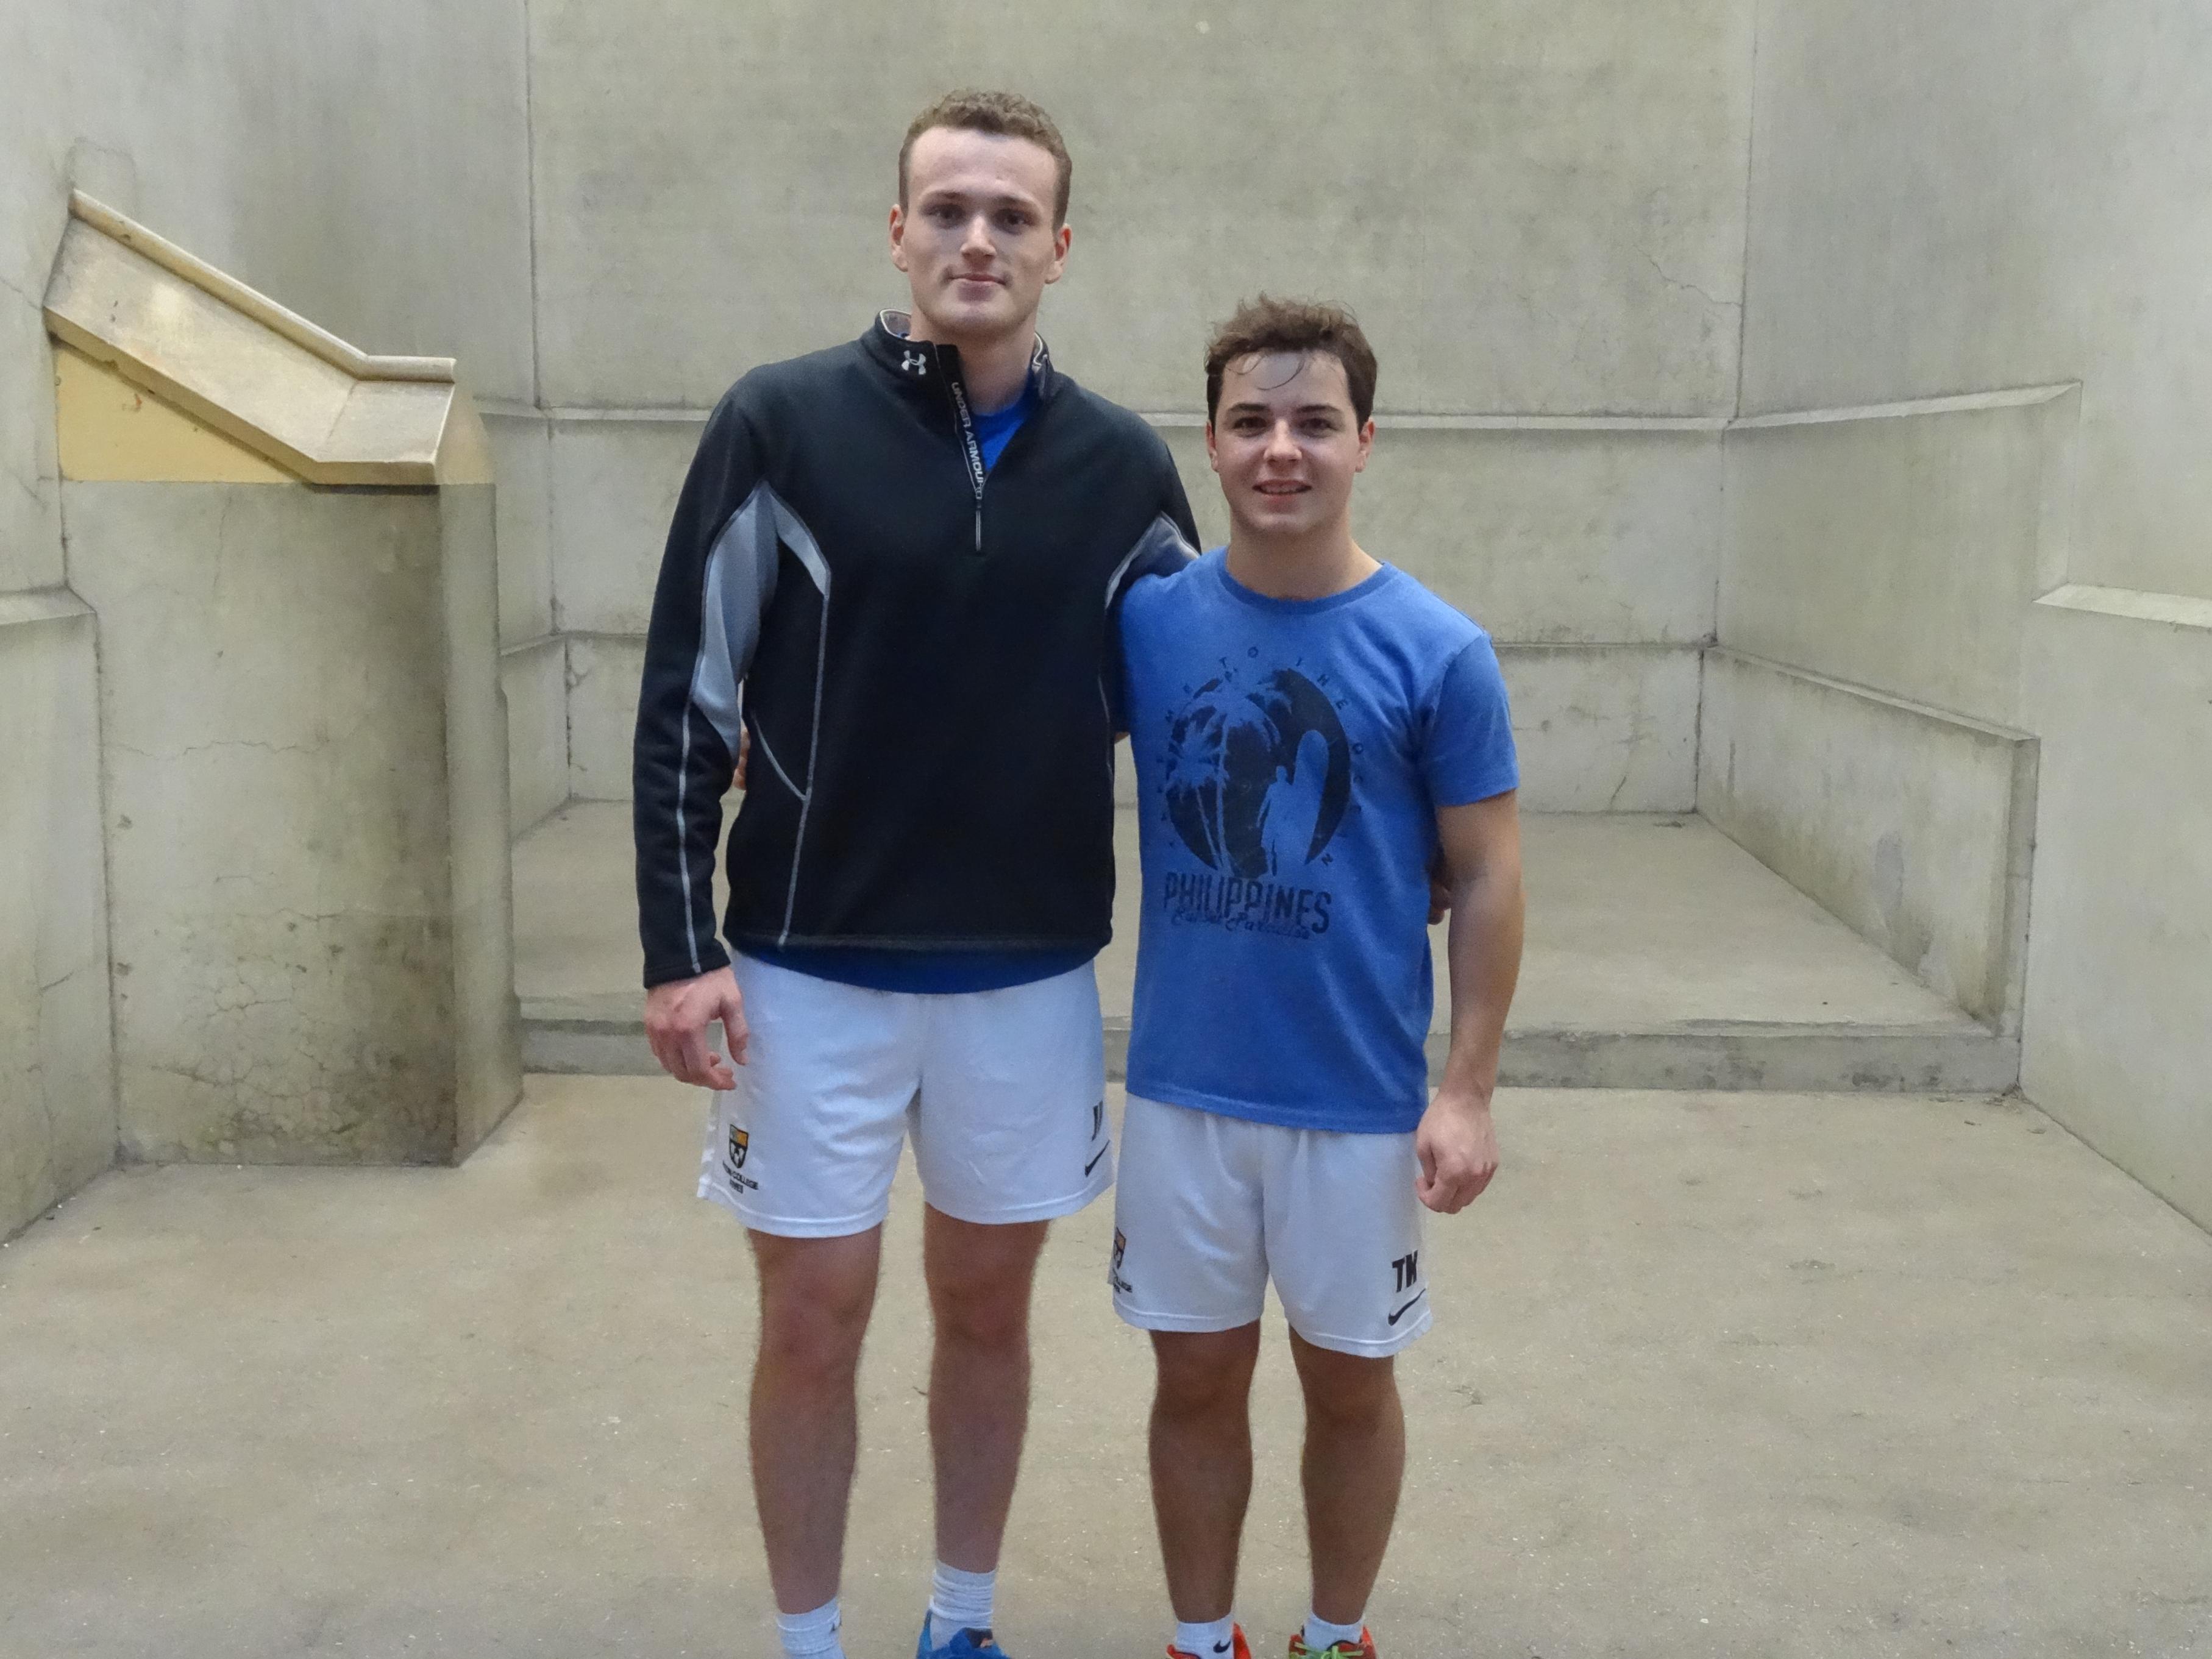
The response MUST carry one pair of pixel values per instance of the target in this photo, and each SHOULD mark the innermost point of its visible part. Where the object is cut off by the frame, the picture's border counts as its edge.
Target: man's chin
(987, 318)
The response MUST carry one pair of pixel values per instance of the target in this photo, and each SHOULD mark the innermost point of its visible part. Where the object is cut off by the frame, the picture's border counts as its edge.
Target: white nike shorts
(1210, 1208)
(1003, 1091)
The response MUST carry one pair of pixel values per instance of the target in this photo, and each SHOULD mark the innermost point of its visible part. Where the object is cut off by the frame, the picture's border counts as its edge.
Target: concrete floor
(1714, 1375)
(1659, 954)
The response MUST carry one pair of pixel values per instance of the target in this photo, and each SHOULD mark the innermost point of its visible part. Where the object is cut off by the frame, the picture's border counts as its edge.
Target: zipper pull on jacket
(971, 446)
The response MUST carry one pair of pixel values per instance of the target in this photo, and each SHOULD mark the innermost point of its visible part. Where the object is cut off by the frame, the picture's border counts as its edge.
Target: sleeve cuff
(711, 957)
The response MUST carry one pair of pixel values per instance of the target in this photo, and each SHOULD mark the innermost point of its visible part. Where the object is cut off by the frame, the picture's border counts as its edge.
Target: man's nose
(1281, 445)
(977, 242)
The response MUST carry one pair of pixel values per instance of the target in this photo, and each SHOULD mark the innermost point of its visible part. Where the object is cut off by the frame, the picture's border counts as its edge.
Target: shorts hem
(1050, 1209)
(1191, 1324)
(1371, 1347)
(790, 1227)
(1314, 1120)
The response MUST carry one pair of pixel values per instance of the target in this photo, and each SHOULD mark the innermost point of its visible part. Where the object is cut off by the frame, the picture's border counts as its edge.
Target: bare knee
(1350, 1393)
(815, 1298)
(1204, 1374)
(980, 1279)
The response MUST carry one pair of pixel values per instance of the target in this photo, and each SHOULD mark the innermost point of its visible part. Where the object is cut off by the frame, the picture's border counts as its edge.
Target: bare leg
(979, 1377)
(816, 1295)
(1354, 1465)
(1201, 1446)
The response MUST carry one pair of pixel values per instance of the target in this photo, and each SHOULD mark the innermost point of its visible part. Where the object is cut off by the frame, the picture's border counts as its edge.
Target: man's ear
(1061, 238)
(1212, 459)
(898, 236)
(1366, 445)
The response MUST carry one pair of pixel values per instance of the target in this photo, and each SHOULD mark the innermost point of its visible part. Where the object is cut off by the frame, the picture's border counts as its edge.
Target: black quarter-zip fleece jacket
(922, 651)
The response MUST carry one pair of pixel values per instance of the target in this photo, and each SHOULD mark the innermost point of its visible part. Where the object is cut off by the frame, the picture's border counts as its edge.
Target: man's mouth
(1282, 486)
(976, 279)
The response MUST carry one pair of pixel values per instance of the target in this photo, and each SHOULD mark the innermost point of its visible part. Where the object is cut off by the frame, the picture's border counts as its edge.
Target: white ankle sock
(959, 1601)
(1213, 1640)
(1320, 1635)
(811, 1635)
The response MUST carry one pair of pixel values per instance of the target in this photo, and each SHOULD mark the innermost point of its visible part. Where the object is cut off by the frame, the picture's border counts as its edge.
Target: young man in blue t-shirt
(1310, 728)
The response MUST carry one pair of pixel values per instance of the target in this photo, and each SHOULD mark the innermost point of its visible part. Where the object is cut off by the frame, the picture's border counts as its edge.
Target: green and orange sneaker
(1362, 1649)
(1242, 1650)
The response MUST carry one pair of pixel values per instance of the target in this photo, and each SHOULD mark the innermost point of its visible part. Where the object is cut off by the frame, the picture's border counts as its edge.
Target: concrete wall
(1565, 239)
(1960, 199)
(299, 750)
(2119, 1001)
(1590, 552)
(1900, 547)
(366, 166)
(1912, 824)
(57, 1100)
(1564, 236)
(533, 668)
(1860, 734)
(1994, 193)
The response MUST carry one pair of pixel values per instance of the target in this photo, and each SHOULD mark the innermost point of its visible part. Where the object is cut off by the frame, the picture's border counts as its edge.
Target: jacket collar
(920, 361)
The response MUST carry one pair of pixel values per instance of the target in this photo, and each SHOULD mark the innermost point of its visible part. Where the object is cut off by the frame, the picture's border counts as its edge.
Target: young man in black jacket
(894, 572)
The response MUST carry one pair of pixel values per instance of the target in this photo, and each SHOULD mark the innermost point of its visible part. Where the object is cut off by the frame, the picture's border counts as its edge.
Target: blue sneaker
(965, 1645)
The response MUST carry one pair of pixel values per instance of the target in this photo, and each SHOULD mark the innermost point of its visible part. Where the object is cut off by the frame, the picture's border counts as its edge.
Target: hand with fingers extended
(676, 1016)
(1457, 1146)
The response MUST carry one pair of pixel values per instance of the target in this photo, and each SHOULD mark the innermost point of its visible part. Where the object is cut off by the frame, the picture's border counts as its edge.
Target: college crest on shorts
(733, 1160)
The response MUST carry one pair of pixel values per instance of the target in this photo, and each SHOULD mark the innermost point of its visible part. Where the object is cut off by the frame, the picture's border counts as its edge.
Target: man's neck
(1310, 567)
(994, 370)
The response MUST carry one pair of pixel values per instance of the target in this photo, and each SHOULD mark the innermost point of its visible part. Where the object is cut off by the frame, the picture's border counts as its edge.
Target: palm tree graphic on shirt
(1257, 777)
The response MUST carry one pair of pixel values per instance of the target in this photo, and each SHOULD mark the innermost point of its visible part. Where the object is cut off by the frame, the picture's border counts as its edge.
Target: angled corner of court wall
(288, 546)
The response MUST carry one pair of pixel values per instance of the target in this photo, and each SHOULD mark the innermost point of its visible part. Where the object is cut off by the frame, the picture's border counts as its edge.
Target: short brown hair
(1265, 325)
(1007, 114)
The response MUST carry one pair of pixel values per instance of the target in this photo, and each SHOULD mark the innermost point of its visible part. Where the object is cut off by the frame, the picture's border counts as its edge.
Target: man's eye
(1014, 221)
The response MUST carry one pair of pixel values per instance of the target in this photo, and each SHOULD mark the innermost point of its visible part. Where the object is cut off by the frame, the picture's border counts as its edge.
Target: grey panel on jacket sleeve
(740, 582)
(1158, 552)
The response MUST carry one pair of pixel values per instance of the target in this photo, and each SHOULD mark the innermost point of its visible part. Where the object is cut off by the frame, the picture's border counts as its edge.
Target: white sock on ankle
(959, 1601)
(811, 1635)
(1320, 1635)
(1213, 1640)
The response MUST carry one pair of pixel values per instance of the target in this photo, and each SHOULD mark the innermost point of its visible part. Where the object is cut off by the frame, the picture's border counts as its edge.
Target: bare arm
(1457, 1143)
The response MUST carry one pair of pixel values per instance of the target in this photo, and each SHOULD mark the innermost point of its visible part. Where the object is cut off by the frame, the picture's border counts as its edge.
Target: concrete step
(1660, 956)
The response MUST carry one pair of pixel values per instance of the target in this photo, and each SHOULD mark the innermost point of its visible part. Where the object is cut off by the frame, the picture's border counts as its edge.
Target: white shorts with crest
(1003, 1093)
(1212, 1209)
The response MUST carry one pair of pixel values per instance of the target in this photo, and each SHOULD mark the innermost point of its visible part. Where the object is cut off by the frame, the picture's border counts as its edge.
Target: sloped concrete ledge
(2134, 604)
(321, 409)
(42, 605)
(1804, 1059)
(1967, 403)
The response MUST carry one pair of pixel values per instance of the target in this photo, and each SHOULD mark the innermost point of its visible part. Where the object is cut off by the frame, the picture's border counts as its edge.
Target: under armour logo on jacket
(914, 364)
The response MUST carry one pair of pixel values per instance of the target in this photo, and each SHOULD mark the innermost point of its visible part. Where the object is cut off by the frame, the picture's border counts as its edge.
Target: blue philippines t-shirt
(1291, 758)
